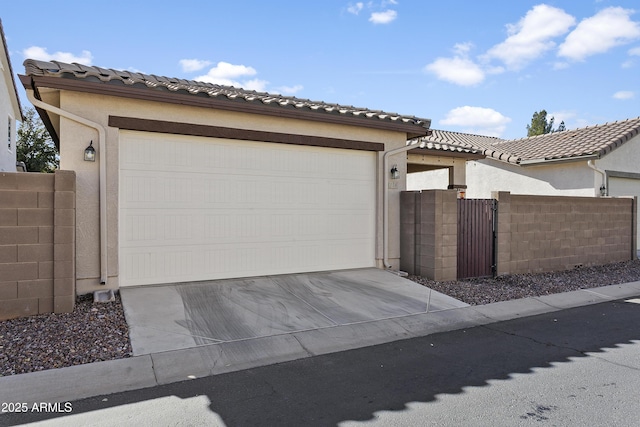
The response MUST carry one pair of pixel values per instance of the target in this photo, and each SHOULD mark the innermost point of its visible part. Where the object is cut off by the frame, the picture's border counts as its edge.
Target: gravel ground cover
(98, 331)
(487, 290)
(93, 332)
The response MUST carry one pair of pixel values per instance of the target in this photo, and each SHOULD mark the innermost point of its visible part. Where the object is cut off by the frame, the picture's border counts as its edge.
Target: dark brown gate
(476, 237)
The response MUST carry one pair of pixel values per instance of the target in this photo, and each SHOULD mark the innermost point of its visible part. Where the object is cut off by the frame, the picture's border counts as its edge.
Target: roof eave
(412, 130)
(44, 115)
(448, 153)
(539, 162)
(13, 80)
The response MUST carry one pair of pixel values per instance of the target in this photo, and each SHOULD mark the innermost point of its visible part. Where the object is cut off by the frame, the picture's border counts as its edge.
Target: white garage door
(195, 208)
(626, 187)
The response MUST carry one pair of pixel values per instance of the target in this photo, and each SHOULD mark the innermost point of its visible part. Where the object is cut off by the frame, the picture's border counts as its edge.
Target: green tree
(539, 124)
(34, 146)
(561, 127)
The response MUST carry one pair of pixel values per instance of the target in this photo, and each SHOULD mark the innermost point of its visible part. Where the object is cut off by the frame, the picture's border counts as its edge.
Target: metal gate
(476, 237)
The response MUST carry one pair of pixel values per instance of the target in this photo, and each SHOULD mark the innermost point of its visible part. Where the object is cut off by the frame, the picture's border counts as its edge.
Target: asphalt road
(573, 367)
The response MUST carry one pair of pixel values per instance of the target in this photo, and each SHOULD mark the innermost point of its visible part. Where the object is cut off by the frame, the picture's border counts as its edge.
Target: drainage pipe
(592, 165)
(102, 155)
(385, 192)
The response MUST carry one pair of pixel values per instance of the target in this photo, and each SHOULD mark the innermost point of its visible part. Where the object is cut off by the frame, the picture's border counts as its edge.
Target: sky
(481, 67)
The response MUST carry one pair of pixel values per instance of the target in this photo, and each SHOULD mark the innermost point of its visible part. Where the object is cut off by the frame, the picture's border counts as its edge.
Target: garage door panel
(164, 265)
(241, 209)
(174, 227)
(227, 157)
(161, 190)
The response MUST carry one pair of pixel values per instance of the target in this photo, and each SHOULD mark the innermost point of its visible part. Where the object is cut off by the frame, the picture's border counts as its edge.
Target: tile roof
(461, 139)
(196, 88)
(453, 142)
(592, 141)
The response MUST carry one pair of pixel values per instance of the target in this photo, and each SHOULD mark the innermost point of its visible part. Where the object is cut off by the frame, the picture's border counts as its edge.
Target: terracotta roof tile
(78, 71)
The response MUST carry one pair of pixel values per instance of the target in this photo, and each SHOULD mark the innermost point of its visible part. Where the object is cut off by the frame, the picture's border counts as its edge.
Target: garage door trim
(180, 128)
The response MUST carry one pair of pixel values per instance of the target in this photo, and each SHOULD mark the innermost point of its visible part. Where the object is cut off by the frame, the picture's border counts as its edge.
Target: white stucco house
(600, 160)
(195, 181)
(10, 109)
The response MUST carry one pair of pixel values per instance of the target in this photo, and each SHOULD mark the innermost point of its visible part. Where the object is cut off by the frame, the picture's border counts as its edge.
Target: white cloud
(190, 65)
(462, 49)
(532, 36)
(562, 116)
(355, 8)
(457, 70)
(493, 70)
(631, 62)
(608, 28)
(460, 69)
(290, 90)
(228, 74)
(477, 120)
(255, 84)
(383, 17)
(624, 94)
(40, 53)
(225, 70)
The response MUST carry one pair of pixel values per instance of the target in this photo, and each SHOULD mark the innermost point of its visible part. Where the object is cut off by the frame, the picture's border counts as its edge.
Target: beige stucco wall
(75, 137)
(430, 180)
(9, 112)
(554, 179)
(624, 158)
(451, 171)
(486, 176)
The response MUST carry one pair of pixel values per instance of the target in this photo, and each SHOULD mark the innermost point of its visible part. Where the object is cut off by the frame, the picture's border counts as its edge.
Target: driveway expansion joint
(306, 350)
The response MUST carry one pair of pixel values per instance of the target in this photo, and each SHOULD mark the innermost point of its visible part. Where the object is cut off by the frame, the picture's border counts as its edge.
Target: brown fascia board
(44, 115)
(119, 89)
(146, 125)
(27, 82)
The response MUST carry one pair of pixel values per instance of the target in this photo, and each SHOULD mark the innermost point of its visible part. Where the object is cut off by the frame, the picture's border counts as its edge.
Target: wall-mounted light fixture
(395, 174)
(90, 153)
(603, 190)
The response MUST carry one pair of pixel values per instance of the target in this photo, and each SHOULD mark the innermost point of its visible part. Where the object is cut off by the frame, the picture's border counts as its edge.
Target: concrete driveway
(186, 315)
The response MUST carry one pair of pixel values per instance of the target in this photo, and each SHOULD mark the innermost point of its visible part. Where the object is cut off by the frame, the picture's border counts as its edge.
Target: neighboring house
(446, 159)
(591, 161)
(196, 181)
(10, 110)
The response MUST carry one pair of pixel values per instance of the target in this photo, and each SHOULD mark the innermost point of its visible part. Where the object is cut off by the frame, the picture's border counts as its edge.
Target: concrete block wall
(428, 240)
(37, 243)
(548, 233)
